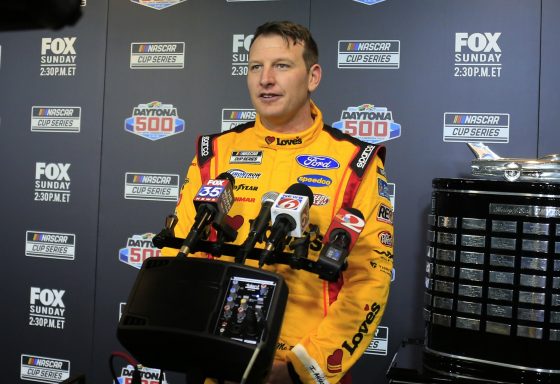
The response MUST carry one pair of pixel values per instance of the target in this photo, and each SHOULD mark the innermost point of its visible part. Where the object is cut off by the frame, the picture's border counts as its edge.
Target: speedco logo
(372, 54)
(368, 123)
(44, 369)
(138, 248)
(157, 55)
(147, 375)
(157, 4)
(154, 121)
(315, 180)
(233, 117)
(317, 162)
(55, 119)
(477, 55)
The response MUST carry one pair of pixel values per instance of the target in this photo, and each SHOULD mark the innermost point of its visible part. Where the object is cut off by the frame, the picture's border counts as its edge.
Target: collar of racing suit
(275, 140)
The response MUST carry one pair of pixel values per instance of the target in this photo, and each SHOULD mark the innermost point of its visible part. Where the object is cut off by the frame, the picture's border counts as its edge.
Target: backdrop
(99, 122)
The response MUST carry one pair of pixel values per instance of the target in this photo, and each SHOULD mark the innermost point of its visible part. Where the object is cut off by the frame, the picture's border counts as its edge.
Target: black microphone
(258, 226)
(339, 240)
(212, 202)
(290, 217)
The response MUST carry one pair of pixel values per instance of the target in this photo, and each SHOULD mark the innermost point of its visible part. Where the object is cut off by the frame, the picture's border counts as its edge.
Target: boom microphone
(212, 202)
(290, 217)
(339, 240)
(258, 226)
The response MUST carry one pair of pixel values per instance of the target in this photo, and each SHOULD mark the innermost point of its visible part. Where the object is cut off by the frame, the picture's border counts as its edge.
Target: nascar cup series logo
(157, 4)
(151, 186)
(46, 308)
(51, 245)
(52, 182)
(372, 54)
(138, 248)
(55, 119)
(234, 117)
(240, 54)
(44, 369)
(58, 56)
(147, 375)
(380, 342)
(157, 55)
(368, 123)
(483, 127)
(154, 121)
(477, 55)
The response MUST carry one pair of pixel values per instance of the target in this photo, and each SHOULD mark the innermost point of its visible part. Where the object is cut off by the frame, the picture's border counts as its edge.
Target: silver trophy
(491, 165)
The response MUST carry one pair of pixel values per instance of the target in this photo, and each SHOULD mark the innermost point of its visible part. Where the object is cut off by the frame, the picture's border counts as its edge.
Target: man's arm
(339, 341)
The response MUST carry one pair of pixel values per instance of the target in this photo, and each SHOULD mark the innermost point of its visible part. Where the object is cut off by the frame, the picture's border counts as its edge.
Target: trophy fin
(481, 151)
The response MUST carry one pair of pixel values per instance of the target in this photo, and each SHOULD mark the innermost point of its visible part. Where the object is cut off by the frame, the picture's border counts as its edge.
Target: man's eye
(282, 66)
(255, 67)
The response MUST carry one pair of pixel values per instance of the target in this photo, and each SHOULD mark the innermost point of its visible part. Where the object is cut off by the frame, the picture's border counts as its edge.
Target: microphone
(258, 226)
(290, 217)
(339, 240)
(212, 202)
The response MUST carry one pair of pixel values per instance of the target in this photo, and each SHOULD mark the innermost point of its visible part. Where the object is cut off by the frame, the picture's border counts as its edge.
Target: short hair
(291, 32)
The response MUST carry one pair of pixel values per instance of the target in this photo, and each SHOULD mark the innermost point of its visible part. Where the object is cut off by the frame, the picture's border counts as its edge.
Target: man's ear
(314, 77)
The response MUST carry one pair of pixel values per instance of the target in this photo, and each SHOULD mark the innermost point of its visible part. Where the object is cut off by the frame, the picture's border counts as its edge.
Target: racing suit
(327, 326)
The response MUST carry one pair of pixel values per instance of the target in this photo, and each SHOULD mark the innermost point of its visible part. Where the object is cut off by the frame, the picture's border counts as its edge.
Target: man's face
(279, 83)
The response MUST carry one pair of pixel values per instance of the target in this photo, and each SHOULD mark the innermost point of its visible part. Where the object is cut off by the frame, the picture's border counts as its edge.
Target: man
(327, 326)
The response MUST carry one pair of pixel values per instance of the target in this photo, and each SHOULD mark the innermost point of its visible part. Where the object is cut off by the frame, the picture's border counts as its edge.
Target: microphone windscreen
(269, 196)
(302, 190)
(227, 176)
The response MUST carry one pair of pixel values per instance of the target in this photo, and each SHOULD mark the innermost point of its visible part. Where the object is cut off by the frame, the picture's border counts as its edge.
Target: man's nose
(267, 76)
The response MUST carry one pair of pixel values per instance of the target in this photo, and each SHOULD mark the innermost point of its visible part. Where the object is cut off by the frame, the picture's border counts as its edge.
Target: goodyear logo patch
(368, 123)
(154, 121)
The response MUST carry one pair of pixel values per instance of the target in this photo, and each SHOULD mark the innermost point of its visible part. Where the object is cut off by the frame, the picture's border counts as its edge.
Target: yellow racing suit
(327, 326)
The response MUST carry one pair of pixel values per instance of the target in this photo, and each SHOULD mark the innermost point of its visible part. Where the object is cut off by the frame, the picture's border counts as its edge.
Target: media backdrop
(85, 187)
